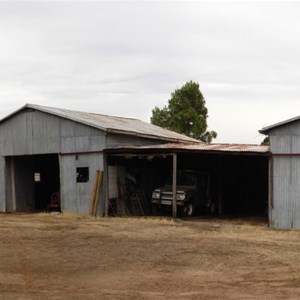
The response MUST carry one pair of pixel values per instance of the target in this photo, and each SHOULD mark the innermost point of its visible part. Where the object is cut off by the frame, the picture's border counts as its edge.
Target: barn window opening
(82, 174)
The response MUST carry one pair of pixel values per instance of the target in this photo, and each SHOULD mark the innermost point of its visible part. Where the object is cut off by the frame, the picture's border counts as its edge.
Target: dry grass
(67, 257)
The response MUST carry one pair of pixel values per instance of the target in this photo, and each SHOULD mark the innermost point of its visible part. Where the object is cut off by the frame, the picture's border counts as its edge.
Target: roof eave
(13, 113)
(179, 148)
(154, 137)
(45, 110)
(266, 130)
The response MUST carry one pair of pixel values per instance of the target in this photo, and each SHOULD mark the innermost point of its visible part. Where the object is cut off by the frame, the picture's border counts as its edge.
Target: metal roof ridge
(171, 140)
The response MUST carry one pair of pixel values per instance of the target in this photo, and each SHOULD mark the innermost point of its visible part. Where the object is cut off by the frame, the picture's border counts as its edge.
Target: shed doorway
(238, 182)
(33, 183)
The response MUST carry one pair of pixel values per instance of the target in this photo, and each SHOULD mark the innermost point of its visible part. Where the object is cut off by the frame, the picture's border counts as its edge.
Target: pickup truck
(193, 194)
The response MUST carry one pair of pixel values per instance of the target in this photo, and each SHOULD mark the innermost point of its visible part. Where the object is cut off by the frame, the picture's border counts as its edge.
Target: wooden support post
(270, 192)
(13, 184)
(174, 185)
(94, 194)
(106, 186)
(98, 190)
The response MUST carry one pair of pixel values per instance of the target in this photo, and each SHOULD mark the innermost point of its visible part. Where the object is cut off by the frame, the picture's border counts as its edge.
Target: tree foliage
(266, 141)
(185, 113)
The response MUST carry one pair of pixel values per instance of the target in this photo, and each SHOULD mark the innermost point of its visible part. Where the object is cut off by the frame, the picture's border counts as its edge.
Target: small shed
(284, 175)
(48, 152)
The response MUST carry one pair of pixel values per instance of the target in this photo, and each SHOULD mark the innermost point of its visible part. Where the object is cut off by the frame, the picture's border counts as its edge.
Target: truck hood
(180, 189)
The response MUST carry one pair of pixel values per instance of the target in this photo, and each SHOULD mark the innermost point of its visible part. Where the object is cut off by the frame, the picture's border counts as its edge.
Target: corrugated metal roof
(214, 147)
(267, 129)
(119, 125)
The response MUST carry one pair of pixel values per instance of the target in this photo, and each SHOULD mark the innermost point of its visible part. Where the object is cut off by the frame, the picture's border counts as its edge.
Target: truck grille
(167, 195)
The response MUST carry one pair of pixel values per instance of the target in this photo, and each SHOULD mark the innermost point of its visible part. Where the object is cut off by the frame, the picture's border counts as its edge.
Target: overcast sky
(124, 58)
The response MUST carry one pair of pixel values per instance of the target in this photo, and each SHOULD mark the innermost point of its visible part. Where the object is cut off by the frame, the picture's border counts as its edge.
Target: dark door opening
(36, 182)
(46, 182)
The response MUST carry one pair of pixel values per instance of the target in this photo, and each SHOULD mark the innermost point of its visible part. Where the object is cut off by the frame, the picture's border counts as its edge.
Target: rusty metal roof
(112, 124)
(203, 147)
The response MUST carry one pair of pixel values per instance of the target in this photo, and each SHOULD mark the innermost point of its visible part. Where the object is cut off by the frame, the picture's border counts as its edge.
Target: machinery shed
(238, 173)
(49, 156)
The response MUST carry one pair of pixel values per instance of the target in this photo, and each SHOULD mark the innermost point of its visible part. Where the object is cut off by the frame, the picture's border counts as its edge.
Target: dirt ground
(65, 257)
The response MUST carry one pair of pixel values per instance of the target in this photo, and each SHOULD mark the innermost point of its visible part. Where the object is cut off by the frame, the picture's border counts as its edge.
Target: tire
(155, 210)
(188, 210)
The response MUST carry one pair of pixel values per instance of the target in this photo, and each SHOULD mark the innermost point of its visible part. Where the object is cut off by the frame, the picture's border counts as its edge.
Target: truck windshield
(185, 179)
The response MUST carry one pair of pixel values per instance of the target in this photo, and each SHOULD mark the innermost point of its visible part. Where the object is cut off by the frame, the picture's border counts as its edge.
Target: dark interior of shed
(37, 183)
(48, 188)
(239, 183)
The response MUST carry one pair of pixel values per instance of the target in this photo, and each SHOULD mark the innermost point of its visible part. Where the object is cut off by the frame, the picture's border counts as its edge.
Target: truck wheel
(188, 210)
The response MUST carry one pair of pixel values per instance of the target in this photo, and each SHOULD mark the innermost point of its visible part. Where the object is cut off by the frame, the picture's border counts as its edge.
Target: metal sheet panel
(285, 144)
(118, 140)
(34, 132)
(202, 147)
(285, 213)
(12, 132)
(2, 184)
(76, 196)
(280, 144)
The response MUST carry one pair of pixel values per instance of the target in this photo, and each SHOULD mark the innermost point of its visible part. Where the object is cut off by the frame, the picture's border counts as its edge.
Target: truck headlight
(156, 195)
(180, 196)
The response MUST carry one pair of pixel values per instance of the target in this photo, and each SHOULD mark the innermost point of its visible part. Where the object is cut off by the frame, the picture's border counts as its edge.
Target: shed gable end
(35, 132)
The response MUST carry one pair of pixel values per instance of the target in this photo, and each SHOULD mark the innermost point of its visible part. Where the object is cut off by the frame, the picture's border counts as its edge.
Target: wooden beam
(13, 184)
(271, 191)
(174, 185)
(94, 194)
(98, 190)
(106, 185)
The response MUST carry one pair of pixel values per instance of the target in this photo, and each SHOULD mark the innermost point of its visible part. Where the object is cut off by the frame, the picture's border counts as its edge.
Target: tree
(266, 141)
(185, 113)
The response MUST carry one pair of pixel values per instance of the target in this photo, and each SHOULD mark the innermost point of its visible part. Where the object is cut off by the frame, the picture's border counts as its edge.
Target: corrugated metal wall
(285, 145)
(76, 196)
(34, 132)
(2, 183)
(114, 140)
(285, 213)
